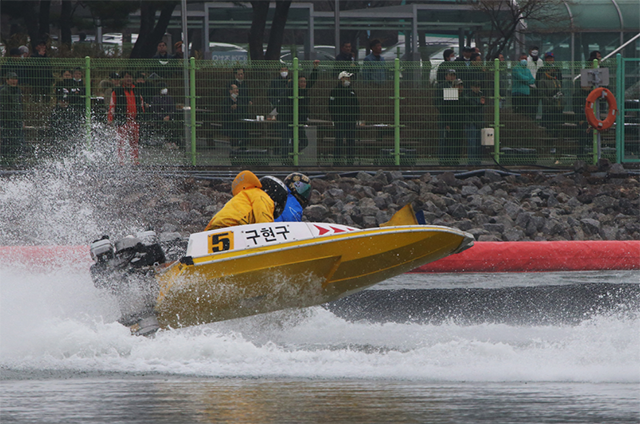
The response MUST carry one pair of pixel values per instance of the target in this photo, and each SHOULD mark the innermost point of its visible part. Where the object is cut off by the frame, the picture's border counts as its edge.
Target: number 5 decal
(220, 242)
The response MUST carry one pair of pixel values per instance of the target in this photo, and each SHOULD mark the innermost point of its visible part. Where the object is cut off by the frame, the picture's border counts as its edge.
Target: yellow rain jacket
(249, 204)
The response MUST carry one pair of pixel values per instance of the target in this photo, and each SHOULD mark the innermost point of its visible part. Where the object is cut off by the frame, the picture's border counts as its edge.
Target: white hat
(344, 74)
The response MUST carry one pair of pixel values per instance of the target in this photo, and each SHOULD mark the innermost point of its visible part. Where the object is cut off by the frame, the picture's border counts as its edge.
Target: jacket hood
(243, 181)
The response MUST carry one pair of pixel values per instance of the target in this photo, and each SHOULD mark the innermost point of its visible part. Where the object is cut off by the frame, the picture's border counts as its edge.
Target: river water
(526, 348)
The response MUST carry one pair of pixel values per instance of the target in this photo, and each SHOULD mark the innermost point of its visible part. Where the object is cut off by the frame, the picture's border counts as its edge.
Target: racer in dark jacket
(298, 193)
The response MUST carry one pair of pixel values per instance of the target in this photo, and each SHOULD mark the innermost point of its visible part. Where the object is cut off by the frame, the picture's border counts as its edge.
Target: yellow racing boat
(252, 269)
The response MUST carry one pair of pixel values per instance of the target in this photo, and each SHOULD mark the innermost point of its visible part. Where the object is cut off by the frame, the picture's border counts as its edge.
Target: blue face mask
(523, 62)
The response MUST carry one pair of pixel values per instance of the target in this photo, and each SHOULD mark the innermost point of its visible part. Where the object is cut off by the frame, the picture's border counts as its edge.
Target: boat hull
(316, 264)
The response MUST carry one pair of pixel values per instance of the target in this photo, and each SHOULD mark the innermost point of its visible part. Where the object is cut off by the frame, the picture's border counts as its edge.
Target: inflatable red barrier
(541, 256)
(516, 256)
(45, 256)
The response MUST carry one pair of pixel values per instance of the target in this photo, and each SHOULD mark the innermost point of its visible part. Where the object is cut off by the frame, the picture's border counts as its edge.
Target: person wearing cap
(344, 108)
(462, 63)
(11, 120)
(177, 49)
(249, 204)
(285, 113)
(24, 51)
(534, 62)
(449, 56)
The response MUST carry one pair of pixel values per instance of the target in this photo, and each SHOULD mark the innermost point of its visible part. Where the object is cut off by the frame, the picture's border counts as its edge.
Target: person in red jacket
(124, 108)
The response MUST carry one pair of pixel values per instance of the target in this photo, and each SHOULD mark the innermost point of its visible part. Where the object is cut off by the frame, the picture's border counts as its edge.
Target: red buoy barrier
(45, 257)
(541, 256)
(489, 256)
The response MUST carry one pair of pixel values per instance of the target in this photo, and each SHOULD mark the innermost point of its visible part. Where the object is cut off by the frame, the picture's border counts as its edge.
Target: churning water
(561, 347)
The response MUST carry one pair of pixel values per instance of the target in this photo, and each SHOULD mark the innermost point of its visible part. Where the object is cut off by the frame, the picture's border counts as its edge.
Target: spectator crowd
(137, 104)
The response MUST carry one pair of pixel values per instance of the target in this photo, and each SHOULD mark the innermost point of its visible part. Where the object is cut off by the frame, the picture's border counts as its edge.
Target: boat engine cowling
(129, 256)
(126, 268)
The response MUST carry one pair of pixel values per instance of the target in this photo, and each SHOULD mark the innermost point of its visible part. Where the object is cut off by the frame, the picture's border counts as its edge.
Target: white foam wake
(57, 321)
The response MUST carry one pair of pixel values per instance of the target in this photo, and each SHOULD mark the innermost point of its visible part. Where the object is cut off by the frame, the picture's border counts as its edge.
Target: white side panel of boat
(258, 235)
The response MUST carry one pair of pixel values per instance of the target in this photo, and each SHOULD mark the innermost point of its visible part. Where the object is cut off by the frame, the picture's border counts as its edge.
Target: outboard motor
(126, 269)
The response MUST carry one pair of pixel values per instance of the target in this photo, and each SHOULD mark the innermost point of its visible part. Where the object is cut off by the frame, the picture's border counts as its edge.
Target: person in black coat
(474, 101)
(243, 89)
(449, 56)
(285, 112)
(344, 108)
(450, 105)
(233, 111)
(14, 64)
(164, 116)
(41, 74)
(64, 121)
(11, 120)
(462, 64)
(278, 87)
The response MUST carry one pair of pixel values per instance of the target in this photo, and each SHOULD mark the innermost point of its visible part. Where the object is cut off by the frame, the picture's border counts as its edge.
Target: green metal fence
(303, 114)
(628, 121)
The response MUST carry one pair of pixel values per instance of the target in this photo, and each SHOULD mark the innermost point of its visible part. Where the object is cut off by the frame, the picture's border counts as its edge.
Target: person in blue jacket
(298, 194)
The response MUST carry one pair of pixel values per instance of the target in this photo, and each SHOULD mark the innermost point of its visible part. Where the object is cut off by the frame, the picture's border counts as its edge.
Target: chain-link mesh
(328, 114)
(143, 102)
(544, 118)
(629, 133)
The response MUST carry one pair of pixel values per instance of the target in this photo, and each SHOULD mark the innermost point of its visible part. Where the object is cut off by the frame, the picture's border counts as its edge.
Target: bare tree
(510, 18)
(258, 25)
(152, 31)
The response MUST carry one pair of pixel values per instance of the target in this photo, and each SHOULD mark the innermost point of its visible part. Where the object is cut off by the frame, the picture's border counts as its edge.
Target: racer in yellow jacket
(250, 203)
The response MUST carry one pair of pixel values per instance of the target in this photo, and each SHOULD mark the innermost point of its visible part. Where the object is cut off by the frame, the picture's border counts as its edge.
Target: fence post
(595, 147)
(192, 103)
(496, 110)
(620, 98)
(87, 100)
(296, 104)
(396, 111)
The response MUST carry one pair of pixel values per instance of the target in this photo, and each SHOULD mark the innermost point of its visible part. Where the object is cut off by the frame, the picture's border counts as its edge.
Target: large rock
(316, 213)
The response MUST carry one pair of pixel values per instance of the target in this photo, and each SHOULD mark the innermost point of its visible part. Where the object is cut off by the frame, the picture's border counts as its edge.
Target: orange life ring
(590, 111)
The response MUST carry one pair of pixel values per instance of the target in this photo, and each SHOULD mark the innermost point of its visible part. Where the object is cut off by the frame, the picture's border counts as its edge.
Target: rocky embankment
(591, 203)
